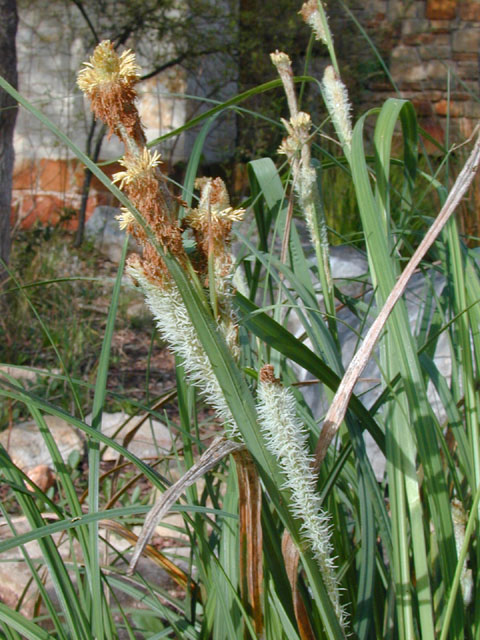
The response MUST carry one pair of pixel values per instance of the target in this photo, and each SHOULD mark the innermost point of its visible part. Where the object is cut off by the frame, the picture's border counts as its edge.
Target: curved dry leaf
(338, 408)
(219, 448)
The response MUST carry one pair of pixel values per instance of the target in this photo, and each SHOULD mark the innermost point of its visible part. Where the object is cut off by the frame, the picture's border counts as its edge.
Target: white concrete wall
(50, 46)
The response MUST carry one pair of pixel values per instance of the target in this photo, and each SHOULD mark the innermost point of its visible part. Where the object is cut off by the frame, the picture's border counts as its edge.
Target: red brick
(454, 109)
(422, 107)
(375, 21)
(464, 56)
(43, 188)
(418, 38)
(434, 52)
(45, 209)
(59, 175)
(414, 27)
(24, 175)
(468, 70)
(441, 9)
(108, 170)
(433, 128)
(53, 175)
(440, 26)
(426, 96)
(380, 86)
(48, 175)
(466, 40)
(460, 97)
(469, 11)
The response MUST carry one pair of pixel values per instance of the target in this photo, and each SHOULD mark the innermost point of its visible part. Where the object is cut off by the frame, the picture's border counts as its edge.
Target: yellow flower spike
(137, 167)
(107, 67)
(125, 218)
(298, 128)
(281, 59)
(233, 215)
(214, 204)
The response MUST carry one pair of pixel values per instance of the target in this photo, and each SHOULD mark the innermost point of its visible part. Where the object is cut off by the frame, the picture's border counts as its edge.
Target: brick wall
(420, 40)
(51, 47)
(49, 191)
(427, 41)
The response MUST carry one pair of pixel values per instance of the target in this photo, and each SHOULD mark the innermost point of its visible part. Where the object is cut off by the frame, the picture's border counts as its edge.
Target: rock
(16, 578)
(466, 40)
(103, 230)
(26, 445)
(152, 438)
(138, 312)
(42, 476)
(14, 572)
(349, 269)
(19, 373)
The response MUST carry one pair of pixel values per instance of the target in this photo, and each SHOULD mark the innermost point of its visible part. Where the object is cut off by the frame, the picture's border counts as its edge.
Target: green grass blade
(241, 97)
(455, 422)
(99, 610)
(193, 164)
(457, 270)
(366, 579)
(47, 601)
(43, 531)
(242, 406)
(227, 580)
(472, 520)
(19, 623)
(280, 339)
(402, 351)
(52, 343)
(64, 589)
(29, 398)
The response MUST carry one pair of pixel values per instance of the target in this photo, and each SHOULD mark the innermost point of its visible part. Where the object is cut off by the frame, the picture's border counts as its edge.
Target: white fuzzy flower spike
(176, 328)
(286, 438)
(338, 105)
(312, 17)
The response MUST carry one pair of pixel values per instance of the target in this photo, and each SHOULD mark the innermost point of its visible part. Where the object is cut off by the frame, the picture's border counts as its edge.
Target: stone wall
(432, 51)
(51, 48)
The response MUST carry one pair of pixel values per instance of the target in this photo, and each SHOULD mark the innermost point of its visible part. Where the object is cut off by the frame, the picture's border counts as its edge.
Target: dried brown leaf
(291, 558)
(251, 538)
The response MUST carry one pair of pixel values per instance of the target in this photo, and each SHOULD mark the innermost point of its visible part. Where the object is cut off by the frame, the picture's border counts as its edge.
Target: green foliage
(400, 544)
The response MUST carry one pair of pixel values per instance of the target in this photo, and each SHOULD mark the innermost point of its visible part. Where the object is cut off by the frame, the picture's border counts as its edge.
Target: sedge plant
(293, 535)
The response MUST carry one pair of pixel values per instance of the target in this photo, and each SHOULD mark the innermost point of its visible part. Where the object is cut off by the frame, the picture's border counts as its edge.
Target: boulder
(349, 272)
(151, 439)
(27, 448)
(103, 230)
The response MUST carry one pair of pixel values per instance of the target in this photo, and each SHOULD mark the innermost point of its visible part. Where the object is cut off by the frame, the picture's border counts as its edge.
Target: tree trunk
(87, 178)
(8, 115)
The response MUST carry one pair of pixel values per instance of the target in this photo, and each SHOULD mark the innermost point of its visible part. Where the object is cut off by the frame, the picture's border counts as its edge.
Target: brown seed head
(212, 220)
(266, 374)
(311, 15)
(108, 80)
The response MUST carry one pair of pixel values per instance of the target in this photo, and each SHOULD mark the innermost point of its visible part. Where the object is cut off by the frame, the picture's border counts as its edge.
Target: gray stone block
(103, 230)
(349, 269)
